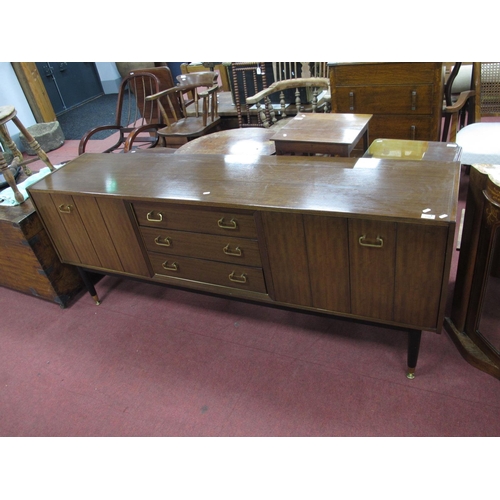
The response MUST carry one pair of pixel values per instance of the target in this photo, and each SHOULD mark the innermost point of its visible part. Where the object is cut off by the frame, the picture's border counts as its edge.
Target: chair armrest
(289, 84)
(207, 92)
(172, 90)
(461, 101)
(90, 133)
(129, 142)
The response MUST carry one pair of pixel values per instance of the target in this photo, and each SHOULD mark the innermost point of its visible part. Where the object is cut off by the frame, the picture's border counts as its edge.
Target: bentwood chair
(137, 120)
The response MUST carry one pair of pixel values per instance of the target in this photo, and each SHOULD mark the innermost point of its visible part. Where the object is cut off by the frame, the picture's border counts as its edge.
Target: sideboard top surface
(415, 190)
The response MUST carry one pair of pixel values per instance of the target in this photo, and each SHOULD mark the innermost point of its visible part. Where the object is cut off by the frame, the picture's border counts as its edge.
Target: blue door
(70, 84)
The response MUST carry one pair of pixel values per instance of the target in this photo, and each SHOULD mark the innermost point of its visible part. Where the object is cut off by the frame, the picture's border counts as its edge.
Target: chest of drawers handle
(150, 217)
(163, 242)
(232, 224)
(413, 100)
(242, 278)
(170, 267)
(351, 101)
(379, 244)
(235, 253)
(65, 209)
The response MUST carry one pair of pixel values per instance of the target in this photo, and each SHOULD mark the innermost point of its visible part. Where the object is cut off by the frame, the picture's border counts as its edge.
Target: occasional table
(239, 141)
(334, 134)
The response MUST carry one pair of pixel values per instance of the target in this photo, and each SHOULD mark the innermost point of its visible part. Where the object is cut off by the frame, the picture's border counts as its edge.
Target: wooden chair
(137, 120)
(458, 107)
(219, 68)
(205, 79)
(181, 127)
(298, 85)
(248, 78)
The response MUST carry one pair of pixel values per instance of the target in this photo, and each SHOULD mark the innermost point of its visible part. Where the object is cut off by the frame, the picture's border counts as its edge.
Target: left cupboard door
(90, 232)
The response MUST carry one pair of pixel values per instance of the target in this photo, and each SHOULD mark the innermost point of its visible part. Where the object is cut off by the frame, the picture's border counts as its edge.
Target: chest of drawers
(368, 239)
(405, 99)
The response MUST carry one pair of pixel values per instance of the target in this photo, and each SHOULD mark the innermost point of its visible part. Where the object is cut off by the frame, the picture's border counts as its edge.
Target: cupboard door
(49, 213)
(97, 232)
(420, 261)
(328, 255)
(372, 248)
(122, 236)
(286, 249)
(71, 219)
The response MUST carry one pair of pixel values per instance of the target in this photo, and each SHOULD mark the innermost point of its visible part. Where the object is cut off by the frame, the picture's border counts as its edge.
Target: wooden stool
(8, 113)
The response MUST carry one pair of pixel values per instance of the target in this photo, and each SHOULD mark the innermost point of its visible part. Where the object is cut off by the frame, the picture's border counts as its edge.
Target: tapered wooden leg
(89, 285)
(413, 348)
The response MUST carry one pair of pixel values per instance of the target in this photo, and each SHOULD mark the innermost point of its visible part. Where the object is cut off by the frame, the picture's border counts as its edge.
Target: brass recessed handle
(65, 209)
(235, 253)
(163, 242)
(232, 224)
(170, 267)
(242, 278)
(379, 244)
(150, 218)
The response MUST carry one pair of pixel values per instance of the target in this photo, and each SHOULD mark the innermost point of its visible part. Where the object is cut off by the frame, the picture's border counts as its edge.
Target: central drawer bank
(367, 239)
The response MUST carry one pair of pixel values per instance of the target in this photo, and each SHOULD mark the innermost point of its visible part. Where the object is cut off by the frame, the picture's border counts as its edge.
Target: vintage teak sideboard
(365, 239)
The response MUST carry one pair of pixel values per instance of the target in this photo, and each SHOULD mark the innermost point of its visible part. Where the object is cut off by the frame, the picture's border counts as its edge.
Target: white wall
(110, 77)
(11, 93)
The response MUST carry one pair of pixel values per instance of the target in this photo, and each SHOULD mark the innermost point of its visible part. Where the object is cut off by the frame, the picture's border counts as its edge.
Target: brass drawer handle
(163, 242)
(65, 209)
(235, 253)
(379, 244)
(170, 267)
(238, 279)
(227, 225)
(150, 218)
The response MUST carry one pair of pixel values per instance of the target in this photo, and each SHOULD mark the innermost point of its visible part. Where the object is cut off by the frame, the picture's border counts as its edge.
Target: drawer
(418, 128)
(217, 273)
(196, 219)
(204, 246)
(386, 73)
(387, 99)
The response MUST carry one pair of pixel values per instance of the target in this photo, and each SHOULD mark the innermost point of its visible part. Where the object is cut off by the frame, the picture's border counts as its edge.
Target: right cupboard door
(420, 266)
(372, 250)
(396, 271)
